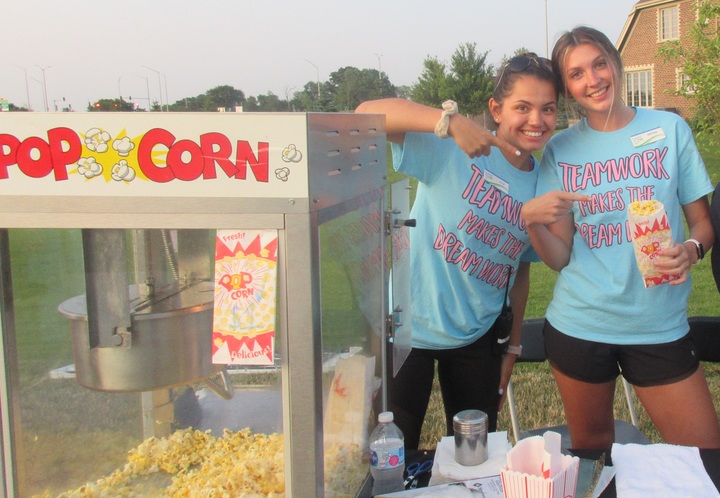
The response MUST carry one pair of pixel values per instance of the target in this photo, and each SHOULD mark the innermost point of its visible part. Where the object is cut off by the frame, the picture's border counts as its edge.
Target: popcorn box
(650, 231)
(536, 469)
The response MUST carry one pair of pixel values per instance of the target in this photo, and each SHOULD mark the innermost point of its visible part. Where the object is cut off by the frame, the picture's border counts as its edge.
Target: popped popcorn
(644, 208)
(234, 465)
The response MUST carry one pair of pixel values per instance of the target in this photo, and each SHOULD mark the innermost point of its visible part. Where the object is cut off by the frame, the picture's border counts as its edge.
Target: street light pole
(547, 49)
(159, 85)
(317, 72)
(147, 87)
(167, 99)
(45, 86)
(27, 87)
(379, 56)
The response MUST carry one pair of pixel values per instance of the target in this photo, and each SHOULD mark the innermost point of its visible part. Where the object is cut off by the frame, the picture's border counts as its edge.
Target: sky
(73, 52)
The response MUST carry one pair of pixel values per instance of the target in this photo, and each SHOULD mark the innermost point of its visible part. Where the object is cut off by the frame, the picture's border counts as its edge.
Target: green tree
(111, 105)
(385, 89)
(403, 91)
(349, 86)
(189, 104)
(271, 103)
(308, 99)
(220, 97)
(251, 104)
(14, 108)
(225, 97)
(431, 86)
(700, 62)
(471, 80)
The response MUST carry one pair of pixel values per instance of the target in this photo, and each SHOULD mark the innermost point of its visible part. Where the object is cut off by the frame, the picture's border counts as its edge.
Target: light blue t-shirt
(468, 233)
(600, 295)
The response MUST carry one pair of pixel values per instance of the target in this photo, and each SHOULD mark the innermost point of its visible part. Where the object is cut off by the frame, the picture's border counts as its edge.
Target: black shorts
(641, 365)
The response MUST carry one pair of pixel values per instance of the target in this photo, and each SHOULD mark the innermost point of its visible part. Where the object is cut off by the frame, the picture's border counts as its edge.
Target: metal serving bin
(108, 226)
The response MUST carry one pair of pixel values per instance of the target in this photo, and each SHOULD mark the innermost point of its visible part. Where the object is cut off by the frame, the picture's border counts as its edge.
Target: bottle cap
(385, 417)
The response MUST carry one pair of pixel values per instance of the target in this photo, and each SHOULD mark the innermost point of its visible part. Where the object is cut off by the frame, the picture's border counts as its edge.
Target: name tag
(497, 182)
(647, 137)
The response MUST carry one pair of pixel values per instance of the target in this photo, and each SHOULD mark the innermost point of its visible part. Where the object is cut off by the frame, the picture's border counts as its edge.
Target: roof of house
(632, 16)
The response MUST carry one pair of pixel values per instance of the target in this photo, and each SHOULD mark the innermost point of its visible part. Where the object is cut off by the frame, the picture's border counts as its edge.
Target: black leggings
(469, 379)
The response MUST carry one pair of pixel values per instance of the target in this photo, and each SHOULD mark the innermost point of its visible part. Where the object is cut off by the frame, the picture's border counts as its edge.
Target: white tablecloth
(660, 471)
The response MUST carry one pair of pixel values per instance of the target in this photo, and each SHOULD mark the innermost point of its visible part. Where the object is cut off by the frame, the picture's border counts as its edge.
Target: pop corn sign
(151, 154)
(245, 297)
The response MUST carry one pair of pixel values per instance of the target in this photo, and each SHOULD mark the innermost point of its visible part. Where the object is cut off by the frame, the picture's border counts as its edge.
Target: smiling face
(528, 114)
(591, 79)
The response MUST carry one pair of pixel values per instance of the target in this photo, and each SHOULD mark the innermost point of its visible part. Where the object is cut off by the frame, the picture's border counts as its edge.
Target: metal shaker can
(471, 427)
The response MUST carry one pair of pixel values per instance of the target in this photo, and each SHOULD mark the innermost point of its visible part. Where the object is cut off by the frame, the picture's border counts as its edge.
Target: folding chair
(705, 332)
(534, 351)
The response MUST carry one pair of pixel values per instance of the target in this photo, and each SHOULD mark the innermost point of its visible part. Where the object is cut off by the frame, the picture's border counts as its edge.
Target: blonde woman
(602, 321)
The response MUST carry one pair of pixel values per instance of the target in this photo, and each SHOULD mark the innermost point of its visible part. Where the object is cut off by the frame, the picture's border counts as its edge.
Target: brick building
(648, 78)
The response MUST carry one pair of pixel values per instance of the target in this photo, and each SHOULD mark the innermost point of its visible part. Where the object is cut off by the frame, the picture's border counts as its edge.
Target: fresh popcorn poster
(245, 297)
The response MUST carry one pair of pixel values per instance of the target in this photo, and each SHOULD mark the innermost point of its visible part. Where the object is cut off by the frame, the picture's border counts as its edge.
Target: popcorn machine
(194, 300)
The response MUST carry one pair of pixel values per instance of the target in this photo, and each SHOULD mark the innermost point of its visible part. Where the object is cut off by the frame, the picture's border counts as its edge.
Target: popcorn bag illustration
(650, 231)
(537, 469)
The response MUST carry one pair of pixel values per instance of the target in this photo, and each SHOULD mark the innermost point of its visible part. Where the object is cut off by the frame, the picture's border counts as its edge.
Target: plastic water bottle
(387, 456)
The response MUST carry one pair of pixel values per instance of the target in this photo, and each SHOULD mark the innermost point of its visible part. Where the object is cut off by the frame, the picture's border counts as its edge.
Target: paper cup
(650, 232)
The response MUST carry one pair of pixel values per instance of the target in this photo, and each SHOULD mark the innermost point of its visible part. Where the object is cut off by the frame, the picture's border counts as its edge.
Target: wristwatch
(699, 248)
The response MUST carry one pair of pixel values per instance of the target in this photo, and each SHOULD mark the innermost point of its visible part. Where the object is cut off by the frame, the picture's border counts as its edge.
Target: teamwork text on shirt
(500, 207)
(645, 167)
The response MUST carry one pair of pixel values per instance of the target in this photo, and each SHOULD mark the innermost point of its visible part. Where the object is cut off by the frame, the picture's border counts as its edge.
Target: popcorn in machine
(196, 301)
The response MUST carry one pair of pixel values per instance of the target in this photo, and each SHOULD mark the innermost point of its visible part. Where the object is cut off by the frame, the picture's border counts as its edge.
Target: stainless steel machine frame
(335, 143)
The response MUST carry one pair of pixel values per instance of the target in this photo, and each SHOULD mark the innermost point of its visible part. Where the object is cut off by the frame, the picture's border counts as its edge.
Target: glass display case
(194, 301)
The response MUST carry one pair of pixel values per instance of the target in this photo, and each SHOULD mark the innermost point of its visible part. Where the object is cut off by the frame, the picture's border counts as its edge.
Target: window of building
(684, 83)
(638, 87)
(668, 19)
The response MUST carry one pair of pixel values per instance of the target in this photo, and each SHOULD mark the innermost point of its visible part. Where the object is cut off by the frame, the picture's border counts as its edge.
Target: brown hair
(538, 67)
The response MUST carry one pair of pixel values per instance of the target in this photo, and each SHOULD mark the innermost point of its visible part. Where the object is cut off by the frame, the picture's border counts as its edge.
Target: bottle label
(387, 459)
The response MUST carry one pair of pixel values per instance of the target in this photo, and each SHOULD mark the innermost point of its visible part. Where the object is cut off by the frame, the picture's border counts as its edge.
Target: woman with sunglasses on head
(469, 246)
(602, 319)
